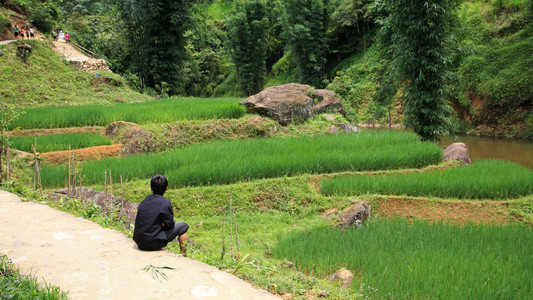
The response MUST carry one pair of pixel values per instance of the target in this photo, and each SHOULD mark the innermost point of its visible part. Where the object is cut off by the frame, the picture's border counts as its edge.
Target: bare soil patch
(91, 153)
(487, 212)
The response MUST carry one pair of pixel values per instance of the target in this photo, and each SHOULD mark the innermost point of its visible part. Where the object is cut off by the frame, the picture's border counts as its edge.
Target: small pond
(516, 150)
(519, 151)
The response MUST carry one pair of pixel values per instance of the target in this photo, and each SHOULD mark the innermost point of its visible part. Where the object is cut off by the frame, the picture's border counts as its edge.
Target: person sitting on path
(154, 223)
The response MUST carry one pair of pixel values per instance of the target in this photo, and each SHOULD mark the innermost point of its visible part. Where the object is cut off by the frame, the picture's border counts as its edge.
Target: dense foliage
(420, 32)
(416, 260)
(304, 26)
(248, 33)
(326, 43)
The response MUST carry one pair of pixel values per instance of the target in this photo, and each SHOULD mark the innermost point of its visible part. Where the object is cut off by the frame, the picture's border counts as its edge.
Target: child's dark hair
(159, 184)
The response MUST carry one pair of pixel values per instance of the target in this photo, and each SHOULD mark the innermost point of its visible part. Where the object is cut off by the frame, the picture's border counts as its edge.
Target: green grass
(225, 162)
(157, 111)
(401, 259)
(486, 179)
(14, 285)
(48, 79)
(58, 142)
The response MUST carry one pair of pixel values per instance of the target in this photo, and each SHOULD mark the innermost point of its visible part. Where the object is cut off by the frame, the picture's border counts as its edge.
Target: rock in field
(457, 151)
(343, 275)
(354, 215)
(292, 102)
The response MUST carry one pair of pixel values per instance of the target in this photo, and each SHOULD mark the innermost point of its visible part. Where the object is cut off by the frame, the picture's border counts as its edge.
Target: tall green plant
(419, 34)
(156, 29)
(304, 27)
(248, 35)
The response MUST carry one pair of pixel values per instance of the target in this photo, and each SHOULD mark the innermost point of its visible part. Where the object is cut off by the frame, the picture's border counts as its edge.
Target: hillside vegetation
(47, 79)
(491, 56)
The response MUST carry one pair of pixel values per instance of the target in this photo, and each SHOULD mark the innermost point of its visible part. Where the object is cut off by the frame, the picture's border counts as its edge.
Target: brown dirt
(37, 132)
(59, 157)
(487, 212)
(477, 101)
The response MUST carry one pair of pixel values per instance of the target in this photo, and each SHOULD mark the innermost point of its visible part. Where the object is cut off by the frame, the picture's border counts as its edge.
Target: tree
(304, 27)
(248, 39)
(157, 45)
(419, 33)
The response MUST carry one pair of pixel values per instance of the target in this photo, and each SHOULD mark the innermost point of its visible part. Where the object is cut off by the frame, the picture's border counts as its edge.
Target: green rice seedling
(225, 162)
(58, 142)
(402, 259)
(157, 111)
(485, 179)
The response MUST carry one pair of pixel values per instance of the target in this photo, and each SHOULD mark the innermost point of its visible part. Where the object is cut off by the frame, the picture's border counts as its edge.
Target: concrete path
(92, 262)
(7, 42)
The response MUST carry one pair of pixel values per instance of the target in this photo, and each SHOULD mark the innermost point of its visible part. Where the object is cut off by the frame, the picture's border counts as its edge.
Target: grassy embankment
(48, 79)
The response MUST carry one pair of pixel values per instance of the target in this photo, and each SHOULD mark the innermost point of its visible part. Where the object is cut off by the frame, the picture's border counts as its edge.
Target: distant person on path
(16, 31)
(32, 34)
(67, 37)
(22, 32)
(154, 224)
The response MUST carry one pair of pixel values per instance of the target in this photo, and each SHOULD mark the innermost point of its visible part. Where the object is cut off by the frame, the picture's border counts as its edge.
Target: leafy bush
(486, 179)
(5, 23)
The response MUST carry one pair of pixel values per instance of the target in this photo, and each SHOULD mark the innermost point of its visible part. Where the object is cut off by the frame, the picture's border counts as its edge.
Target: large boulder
(292, 102)
(354, 215)
(457, 151)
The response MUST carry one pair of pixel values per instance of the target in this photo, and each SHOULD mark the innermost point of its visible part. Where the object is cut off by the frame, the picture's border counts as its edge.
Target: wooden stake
(74, 176)
(8, 158)
(105, 190)
(223, 244)
(231, 220)
(236, 234)
(37, 178)
(69, 171)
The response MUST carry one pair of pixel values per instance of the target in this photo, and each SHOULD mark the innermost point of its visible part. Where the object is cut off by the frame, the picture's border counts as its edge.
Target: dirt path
(92, 262)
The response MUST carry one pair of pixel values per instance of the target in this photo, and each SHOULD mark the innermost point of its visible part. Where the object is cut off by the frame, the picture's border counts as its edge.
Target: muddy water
(516, 150)
(519, 151)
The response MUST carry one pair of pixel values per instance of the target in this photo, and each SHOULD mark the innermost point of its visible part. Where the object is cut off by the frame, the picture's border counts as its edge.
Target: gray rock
(457, 151)
(23, 51)
(347, 127)
(354, 215)
(113, 129)
(292, 102)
